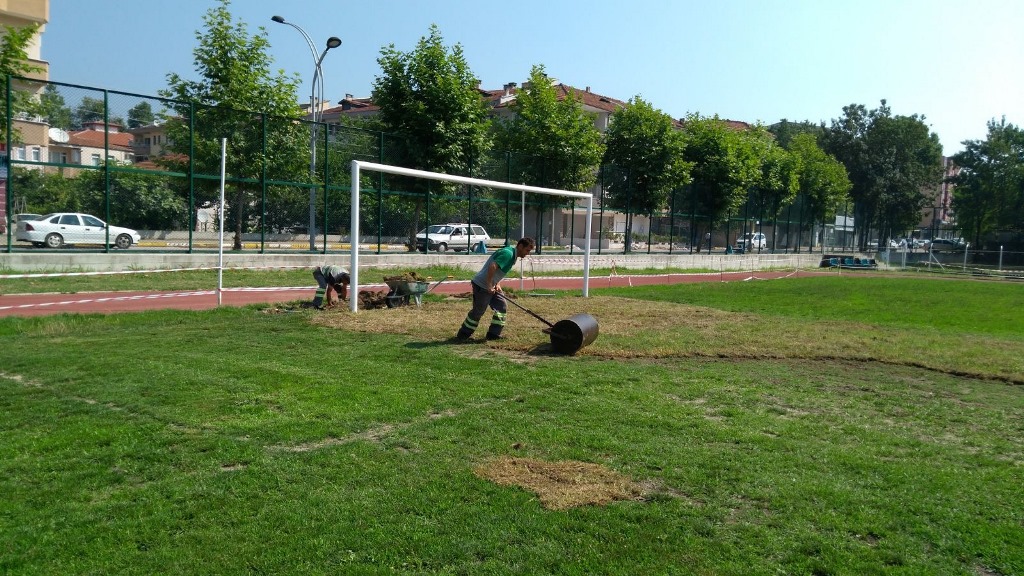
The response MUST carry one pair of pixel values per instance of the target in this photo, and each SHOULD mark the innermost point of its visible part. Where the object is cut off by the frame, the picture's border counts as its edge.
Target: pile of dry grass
(561, 485)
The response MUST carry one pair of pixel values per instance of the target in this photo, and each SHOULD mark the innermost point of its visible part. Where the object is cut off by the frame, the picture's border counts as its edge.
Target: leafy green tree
(92, 110)
(429, 98)
(779, 180)
(647, 151)
(88, 110)
(136, 200)
(890, 161)
(725, 166)
(558, 142)
(54, 109)
(46, 192)
(989, 192)
(14, 61)
(822, 179)
(141, 115)
(236, 97)
(784, 130)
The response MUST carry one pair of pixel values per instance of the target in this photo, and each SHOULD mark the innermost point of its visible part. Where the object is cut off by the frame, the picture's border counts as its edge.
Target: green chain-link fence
(153, 164)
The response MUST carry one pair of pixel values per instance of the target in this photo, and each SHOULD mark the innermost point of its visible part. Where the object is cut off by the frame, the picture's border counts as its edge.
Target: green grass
(197, 279)
(960, 308)
(237, 441)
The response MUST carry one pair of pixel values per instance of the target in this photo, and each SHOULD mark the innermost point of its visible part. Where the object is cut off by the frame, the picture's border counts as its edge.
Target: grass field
(837, 425)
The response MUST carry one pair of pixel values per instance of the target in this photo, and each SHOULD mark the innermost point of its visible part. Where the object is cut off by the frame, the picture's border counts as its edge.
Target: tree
(989, 192)
(784, 130)
(14, 62)
(92, 110)
(53, 108)
(429, 98)
(141, 115)
(236, 97)
(890, 161)
(822, 181)
(559, 145)
(779, 179)
(44, 192)
(136, 200)
(645, 148)
(725, 166)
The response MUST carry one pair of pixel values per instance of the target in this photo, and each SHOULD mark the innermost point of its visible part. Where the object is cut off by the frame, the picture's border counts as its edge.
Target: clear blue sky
(957, 63)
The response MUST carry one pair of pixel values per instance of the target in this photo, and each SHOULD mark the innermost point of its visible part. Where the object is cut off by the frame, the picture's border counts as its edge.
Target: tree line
(874, 163)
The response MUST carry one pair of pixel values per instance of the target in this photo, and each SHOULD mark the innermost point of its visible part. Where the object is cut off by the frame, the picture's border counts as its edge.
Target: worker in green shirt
(487, 290)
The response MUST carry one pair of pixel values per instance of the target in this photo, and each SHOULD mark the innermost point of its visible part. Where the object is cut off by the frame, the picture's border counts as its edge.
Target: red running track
(108, 302)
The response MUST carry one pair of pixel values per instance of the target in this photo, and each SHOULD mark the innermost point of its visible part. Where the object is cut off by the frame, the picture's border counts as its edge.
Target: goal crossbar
(360, 165)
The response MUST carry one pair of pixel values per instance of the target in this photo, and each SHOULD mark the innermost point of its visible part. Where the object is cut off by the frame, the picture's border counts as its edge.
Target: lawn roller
(569, 335)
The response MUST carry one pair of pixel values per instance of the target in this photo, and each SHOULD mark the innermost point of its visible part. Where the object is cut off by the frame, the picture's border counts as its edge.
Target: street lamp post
(316, 114)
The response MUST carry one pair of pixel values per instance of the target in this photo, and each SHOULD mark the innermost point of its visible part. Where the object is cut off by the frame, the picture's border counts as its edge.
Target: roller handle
(530, 312)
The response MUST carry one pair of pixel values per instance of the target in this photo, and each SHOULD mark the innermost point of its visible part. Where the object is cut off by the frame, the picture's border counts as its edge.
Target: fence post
(192, 173)
(106, 168)
(263, 187)
(10, 169)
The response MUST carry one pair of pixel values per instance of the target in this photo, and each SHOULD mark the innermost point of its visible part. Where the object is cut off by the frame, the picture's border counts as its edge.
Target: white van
(752, 241)
(453, 236)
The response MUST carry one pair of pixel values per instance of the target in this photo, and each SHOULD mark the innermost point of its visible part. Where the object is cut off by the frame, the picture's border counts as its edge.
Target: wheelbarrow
(569, 335)
(402, 292)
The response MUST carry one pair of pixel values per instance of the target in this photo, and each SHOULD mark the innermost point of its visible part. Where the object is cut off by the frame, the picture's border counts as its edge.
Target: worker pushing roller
(487, 290)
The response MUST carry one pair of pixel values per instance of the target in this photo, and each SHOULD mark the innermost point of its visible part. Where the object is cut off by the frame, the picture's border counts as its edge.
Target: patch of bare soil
(621, 322)
(562, 485)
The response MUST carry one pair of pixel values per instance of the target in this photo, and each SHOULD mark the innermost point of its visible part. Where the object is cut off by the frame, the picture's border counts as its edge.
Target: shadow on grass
(544, 349)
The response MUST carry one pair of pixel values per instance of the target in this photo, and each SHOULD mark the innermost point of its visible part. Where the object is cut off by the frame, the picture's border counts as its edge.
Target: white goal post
(359, 165)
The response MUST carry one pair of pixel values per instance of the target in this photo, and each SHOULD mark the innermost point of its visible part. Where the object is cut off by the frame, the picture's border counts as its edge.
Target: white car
(58, 229)
(752, 241)
(454, 236)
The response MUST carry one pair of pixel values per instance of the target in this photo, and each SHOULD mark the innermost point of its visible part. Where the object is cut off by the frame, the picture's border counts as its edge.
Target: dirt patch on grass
(623, 324)
(562, 485)
(638, 329)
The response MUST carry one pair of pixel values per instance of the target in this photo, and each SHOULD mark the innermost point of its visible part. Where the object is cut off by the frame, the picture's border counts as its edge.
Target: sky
(959, 64)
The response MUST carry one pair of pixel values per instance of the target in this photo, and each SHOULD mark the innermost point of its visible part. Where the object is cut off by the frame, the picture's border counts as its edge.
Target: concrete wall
(117, 261)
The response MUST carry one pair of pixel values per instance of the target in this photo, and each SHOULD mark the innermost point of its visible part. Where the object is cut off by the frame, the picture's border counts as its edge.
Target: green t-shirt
(505, 258)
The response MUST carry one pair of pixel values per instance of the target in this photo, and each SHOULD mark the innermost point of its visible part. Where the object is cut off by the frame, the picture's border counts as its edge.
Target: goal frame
(360, 165)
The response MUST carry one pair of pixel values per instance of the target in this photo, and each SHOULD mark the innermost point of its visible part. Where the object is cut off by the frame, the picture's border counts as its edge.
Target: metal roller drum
(573, 333)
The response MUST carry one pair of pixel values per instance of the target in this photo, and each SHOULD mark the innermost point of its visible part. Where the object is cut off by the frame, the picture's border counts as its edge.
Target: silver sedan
(56, 230)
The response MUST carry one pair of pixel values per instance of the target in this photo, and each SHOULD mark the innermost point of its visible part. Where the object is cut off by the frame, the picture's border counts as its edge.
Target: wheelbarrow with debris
(403, 292)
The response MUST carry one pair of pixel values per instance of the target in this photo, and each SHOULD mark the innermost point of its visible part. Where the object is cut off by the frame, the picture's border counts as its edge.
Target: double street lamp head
(332, 42)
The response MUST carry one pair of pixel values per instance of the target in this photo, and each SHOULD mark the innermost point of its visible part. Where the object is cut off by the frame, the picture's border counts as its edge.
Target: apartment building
(18, 14)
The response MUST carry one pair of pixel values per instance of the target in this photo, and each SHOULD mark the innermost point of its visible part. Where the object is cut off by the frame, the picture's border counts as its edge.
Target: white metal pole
(312, 163)
(220, 244)
(522, 233)
(353, 271)
(586, 250)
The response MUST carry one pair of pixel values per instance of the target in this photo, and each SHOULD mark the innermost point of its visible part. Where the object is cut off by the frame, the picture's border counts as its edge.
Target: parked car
(752, 241)
(946, 245)
(454, 236)
(20, 217)
(56, 230)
